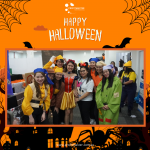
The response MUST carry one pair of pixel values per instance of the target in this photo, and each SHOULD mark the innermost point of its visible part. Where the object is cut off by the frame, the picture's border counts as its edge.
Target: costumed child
(93, 110)
(85, 87)
(59, 88)
(37, 98)
(68, 101)
(108, 97)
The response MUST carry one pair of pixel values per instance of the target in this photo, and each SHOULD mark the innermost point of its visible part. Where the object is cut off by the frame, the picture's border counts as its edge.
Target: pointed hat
(128, 64)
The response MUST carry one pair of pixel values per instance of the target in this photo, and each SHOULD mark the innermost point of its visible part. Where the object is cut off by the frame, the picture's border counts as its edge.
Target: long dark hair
(128, 70)
(110, 80)
(64, 67)
(38, 91)
(87, 69)
(59, 83)
(121, 63)
(90, 71)
(114, 63)
(73, 71)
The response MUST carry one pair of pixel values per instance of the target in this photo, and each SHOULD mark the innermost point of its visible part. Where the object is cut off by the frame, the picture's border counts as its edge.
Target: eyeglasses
(82, 71)
(60, 62)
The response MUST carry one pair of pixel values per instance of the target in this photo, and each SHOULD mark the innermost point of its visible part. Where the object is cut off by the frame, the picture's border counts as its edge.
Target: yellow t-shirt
(131, 76)
(28, 94)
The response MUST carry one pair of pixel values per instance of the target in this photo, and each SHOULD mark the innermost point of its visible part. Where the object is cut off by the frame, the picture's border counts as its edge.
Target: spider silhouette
(92, 139)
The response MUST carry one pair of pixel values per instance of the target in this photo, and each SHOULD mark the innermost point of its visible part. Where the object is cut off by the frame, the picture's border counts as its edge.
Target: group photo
(75, 87)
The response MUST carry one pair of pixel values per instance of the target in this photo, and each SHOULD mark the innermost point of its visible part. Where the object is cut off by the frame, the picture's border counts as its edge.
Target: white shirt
(119, 69)
(86, 87)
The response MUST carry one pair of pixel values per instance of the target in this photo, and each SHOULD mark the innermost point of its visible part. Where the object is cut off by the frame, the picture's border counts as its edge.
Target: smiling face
(39, 78)
(60, 63)
(83, 72)
(99, 68)
(70, 67)
(92, 64)
(58, 75)
(106, 73)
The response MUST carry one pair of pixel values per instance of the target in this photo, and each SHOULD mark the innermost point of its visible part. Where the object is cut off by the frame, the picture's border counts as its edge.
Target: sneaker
(92, 121)
(126, 104)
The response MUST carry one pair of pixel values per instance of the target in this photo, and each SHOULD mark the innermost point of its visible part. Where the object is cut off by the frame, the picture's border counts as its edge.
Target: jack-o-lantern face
(5, 139)
(6, 146)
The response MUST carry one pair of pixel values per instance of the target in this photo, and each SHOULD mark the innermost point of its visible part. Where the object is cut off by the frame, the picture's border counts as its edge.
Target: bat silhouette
(123, 44)
(27, 44)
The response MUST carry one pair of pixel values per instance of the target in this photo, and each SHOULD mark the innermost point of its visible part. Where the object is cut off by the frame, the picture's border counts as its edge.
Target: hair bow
(83, 64)
(70, 60)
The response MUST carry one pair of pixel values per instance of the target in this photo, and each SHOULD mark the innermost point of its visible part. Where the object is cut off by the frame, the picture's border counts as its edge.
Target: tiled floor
(124, 119)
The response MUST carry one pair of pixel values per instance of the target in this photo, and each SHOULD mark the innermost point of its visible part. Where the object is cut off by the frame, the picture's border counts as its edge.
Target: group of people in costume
(97, 90)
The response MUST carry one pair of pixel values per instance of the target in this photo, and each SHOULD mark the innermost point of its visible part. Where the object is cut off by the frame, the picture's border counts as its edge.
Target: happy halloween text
(72, 33)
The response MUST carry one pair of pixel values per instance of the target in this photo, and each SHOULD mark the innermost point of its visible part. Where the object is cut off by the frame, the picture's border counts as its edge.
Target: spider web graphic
(140, 12)
(10, 12)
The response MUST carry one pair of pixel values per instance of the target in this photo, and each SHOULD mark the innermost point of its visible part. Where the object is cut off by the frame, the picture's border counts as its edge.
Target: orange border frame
(115, 49)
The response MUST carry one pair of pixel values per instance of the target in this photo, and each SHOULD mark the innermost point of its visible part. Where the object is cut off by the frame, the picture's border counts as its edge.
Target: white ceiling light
(84, 53)
(92, 51)
(32, 51)
(19, 51)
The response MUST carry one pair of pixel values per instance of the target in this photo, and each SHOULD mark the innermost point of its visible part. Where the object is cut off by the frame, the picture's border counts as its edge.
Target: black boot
(129, 112)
